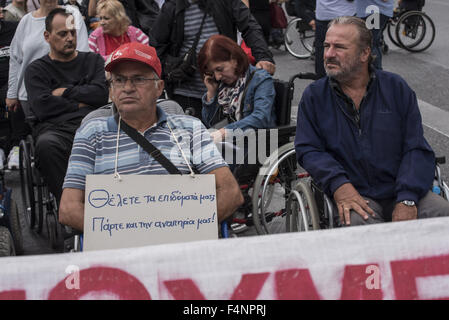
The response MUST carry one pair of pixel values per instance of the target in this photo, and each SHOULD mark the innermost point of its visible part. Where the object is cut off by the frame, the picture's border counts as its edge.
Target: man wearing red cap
(135, 87)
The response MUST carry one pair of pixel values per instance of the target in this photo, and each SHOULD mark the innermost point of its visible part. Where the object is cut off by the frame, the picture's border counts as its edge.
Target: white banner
(403, 260)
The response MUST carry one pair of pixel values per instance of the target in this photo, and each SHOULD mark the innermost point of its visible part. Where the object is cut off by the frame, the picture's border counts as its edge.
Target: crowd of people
(65, 59)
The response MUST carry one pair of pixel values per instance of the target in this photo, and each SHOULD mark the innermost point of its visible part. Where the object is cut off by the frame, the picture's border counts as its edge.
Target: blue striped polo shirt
(94, 149)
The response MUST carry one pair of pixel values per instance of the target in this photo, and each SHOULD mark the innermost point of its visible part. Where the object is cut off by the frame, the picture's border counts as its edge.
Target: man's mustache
(333, 61)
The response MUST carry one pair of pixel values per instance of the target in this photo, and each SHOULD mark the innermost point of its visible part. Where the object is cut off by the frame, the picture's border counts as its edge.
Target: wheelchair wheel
(415, 31)
(391, 28)
(51, 219)
(6, 243)
(302, 212)
(40, 205)
(299, 38)
(16, 228)
(26, 184)
(272, 188)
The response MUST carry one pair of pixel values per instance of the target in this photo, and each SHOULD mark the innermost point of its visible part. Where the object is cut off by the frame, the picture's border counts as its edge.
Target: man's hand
(12, 104)
(58, 92)
(218, 135)
(312, 23)
(402, 212)
(267, 65)
(347, 198)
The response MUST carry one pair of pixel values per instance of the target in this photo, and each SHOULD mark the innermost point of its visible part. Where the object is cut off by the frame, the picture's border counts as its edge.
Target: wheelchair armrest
(289, 130)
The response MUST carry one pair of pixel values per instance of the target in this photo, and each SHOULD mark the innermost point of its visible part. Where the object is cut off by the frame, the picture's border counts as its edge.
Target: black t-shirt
(7, 30)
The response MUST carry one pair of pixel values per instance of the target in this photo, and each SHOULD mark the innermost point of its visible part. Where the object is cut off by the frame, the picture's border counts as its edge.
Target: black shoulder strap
(149, 147)
(197, 38)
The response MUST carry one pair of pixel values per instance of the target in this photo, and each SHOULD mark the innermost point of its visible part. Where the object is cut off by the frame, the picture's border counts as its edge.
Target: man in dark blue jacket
(360, 136)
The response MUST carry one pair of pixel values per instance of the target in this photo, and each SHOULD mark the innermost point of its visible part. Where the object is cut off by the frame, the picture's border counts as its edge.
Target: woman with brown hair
(239, 95)
(114, 30)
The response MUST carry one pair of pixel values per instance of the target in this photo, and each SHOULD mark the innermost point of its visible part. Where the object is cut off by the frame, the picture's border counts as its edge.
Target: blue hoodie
(384, 156)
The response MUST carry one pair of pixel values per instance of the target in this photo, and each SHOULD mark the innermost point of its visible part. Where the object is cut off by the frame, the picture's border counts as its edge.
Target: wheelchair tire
(26, 184)
(40, 206)
(16, 228)
(303, 212)
(52, 223)
(391, 27)
(278, 172)
(298, 39)
(415, 31)
(6, 243)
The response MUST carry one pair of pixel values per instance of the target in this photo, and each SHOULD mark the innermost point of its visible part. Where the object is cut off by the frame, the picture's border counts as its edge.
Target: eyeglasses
(120, 82)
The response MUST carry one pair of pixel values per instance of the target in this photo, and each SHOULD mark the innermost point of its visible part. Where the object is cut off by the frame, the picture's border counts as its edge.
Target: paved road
(427, 73)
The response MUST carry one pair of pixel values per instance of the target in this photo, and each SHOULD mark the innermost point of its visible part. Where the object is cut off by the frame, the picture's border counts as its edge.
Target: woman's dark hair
(220, 48)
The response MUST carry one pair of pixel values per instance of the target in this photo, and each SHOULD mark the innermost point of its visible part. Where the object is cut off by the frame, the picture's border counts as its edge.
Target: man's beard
(346, 71)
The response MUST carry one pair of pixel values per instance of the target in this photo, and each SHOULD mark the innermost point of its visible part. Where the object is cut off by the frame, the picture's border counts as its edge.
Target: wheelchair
(412, 30)
(266, 186)
(39, 203)
(298, 36)
(309, 208)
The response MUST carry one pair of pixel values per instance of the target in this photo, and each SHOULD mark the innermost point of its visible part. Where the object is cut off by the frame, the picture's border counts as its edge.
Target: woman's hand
(211, 85)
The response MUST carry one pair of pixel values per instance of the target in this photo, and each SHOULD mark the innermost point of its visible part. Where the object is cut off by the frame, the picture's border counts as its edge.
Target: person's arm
(81, 163)
(95, 92)
(417, 168)
(141, 36)
(71, 208)
(253, 36)
(15, 61)
(44, 104)
(310, 148)
(229, 196)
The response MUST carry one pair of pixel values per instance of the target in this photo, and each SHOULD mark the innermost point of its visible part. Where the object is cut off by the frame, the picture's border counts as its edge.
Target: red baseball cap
(135, 51)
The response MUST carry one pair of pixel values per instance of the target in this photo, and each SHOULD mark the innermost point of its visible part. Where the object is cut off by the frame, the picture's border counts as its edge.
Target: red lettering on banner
(295, 284)
(248, 288)
(357, 284)
(405, 273)
(102, 279)
(13, 295)
(184, 289)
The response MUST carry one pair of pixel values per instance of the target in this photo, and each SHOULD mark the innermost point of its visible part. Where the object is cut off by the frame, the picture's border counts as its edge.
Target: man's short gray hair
(365, 35)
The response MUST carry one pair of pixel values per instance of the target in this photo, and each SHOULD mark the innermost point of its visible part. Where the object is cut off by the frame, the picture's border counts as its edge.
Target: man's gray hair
(365, 35)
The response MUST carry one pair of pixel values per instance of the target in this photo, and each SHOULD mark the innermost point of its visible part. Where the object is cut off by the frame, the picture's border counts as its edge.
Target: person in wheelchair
(63, 86)
(305, 9)
(411, 5)
(359, 135)
(239, 95)
(135, 87)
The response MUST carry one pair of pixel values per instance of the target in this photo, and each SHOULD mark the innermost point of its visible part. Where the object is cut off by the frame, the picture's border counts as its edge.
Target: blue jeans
(377, 36)
(320, 36)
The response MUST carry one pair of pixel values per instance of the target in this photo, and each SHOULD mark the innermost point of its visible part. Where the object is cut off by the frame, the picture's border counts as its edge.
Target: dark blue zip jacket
(386, 156)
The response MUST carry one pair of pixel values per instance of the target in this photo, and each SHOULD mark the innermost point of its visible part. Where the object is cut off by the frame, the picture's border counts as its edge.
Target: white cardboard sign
(142, 210)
